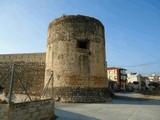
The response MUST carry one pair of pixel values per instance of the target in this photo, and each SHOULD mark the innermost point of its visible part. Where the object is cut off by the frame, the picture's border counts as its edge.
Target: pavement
(125, 106)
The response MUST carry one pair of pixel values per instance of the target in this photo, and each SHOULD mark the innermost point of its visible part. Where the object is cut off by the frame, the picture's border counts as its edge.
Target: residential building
(154, 78)
(117, 78)
(137, 81)
(131, 77)
(154, 81)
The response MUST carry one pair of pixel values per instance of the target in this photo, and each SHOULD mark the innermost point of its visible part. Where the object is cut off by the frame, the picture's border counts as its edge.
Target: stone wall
(37, 110)
(25, 57)
(29, 67)
(76, 55)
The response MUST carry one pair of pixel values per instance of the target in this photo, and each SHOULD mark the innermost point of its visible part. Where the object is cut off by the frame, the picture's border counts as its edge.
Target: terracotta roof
(117, 68)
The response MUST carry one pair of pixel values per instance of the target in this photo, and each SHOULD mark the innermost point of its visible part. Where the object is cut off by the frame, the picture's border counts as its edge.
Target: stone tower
(76, 55)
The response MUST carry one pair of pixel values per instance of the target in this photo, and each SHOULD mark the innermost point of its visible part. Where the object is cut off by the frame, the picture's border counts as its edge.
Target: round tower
(76, 55)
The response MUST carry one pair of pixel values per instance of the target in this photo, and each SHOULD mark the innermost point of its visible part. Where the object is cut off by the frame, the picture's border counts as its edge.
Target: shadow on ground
(66, 115)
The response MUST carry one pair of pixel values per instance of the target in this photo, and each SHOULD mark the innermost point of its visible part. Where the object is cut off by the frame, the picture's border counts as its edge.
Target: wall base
(81, 95)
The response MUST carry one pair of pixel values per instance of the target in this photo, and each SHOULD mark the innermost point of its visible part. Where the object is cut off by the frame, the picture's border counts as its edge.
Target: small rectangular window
(84, 44)
(123, 77)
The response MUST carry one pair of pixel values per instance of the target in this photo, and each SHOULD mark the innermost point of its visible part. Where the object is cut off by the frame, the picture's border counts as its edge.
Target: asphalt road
(125, 106)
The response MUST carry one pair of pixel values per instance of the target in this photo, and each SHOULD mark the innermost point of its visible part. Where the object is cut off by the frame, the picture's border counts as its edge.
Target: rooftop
(117, 68)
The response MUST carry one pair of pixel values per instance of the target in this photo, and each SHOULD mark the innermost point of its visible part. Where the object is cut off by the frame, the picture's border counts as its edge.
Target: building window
(83, 44)
(123, 77)
(123, 72)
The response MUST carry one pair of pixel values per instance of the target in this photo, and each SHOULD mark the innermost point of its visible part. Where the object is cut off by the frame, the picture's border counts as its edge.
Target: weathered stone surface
(29, 67)
(77, 94)
(28, 110)
(76, 55)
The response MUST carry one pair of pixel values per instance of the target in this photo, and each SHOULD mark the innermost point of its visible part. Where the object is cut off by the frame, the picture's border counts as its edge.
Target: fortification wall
(37, 110)
(76, 55)
(25, 57)
(29, 67)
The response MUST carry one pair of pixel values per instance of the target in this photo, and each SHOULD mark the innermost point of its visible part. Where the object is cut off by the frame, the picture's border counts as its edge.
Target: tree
(154, 84)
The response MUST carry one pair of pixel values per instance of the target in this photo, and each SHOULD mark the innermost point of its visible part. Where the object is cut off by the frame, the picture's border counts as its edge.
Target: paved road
(125, 106)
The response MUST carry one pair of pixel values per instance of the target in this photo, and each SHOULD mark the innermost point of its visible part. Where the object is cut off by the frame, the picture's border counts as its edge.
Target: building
(154, 81)
(117, 78)
(133, 81)
(154, 78)
(76, 57)
(137, 81)
(131, 77)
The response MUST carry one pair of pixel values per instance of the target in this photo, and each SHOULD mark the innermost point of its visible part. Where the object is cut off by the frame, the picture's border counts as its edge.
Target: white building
(131, 77)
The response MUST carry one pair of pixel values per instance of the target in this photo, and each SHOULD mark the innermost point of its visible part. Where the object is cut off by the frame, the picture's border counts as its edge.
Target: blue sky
(132, 28)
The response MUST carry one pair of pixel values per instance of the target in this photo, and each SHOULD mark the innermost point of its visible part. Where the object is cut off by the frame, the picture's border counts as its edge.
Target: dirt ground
(125, 106)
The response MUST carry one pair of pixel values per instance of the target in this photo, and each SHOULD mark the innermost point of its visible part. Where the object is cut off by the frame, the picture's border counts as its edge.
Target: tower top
(75, 18)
